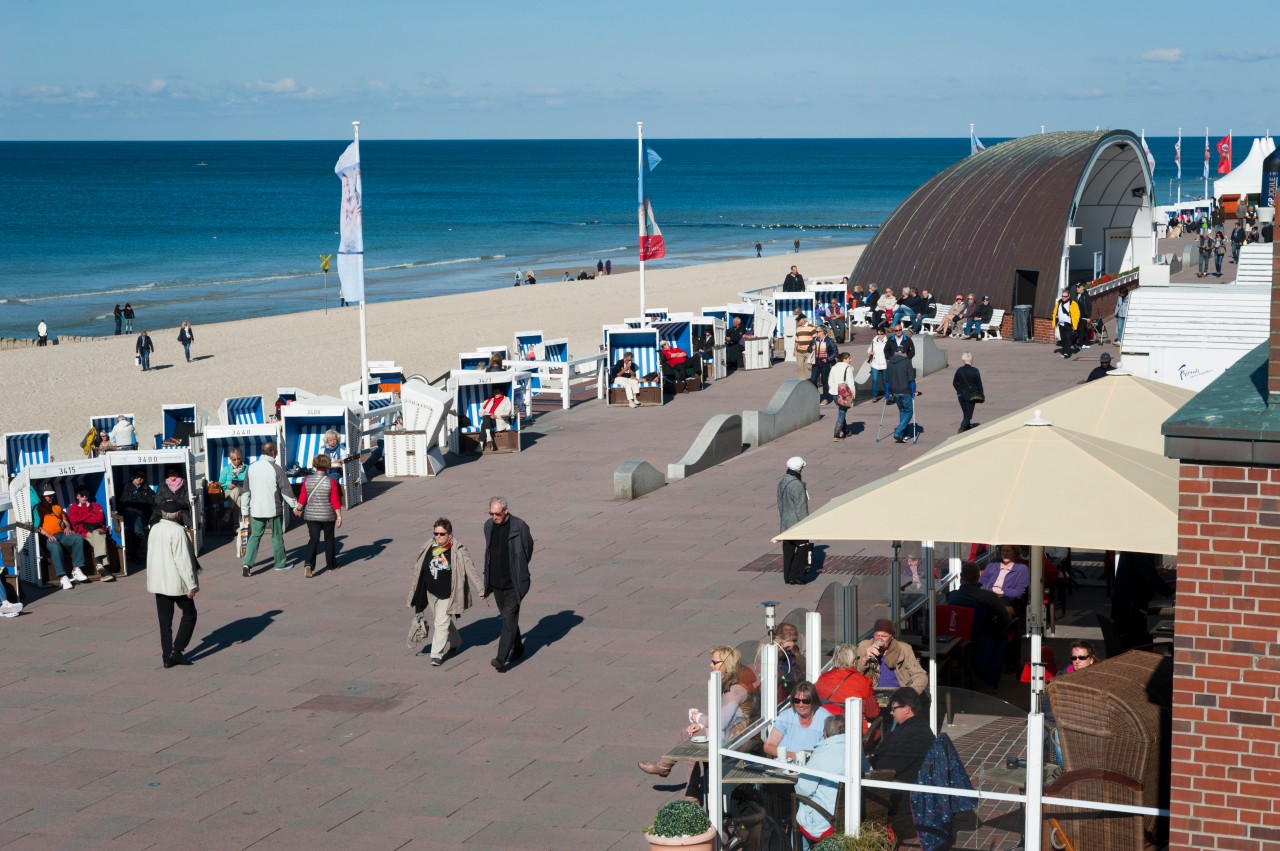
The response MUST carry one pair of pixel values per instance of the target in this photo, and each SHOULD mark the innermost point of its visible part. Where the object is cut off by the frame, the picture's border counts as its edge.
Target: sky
(423, 69)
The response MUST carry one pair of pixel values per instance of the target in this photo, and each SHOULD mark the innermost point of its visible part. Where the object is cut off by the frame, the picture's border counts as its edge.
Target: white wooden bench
(931, 324)
(991, 330)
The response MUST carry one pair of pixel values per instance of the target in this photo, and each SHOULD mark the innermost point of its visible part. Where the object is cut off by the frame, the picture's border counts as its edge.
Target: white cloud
(377, 85)
(156, 86)
(284, 85)
(39, 92)
(1084, 94)
(1163, 54)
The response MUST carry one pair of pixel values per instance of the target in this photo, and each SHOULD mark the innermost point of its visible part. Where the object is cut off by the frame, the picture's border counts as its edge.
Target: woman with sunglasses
(1082, 656)
(736, 705)
(443, 581)
(799, 726)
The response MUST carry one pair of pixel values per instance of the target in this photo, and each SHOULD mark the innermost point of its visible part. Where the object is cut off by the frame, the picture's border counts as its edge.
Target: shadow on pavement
(237, 632)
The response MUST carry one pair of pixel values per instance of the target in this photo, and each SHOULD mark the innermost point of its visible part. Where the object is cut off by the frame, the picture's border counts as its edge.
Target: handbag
(844, 396)
(417, 631)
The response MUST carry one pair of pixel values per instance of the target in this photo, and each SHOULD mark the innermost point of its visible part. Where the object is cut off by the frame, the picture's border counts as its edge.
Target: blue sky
(278, 69)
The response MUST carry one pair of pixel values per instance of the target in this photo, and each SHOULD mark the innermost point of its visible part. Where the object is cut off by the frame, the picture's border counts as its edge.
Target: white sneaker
(66, 583)
(77, 575)
(6, 606)
(8, 613)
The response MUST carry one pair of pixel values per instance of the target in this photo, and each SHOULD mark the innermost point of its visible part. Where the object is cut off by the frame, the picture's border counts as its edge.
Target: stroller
(1098, 333)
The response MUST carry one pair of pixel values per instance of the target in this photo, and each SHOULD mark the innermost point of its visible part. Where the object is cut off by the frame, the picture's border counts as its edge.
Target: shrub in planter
(871, 836)
(680, 818)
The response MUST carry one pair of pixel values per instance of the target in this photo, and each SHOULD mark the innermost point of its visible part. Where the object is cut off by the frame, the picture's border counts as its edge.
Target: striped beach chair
(24, 448)
(303, 425)
(643, 343)
(220, 440)
(64, 478)
(744, 311)
(785, 304)
(636, 322)
(106, 422)
(527, 343)
(657, 314)
(469, 395)
(182, 425)
(473, 360)
(154, 465)
(242, 410)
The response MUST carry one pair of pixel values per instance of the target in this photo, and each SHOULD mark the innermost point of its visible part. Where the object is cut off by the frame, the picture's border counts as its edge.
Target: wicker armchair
(1075, 829)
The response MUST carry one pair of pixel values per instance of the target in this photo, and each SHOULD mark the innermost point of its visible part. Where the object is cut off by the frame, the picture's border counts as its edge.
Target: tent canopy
(1246, 178)
(1120, 407)
(1019, 499)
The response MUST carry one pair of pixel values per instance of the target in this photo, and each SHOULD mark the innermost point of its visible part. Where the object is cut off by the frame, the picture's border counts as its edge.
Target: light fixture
(770, 616)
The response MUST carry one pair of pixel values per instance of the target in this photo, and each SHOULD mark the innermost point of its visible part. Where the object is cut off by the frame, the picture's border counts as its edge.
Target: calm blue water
(90, 224)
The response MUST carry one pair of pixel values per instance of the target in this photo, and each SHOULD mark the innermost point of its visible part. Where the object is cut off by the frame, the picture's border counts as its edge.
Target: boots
(661, 768)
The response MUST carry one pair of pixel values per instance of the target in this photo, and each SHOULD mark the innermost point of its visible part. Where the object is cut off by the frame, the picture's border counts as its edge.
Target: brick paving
(306, 722)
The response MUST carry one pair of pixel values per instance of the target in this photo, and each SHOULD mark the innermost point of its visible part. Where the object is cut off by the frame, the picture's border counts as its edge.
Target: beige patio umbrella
(1017, 486)
(1120, 407)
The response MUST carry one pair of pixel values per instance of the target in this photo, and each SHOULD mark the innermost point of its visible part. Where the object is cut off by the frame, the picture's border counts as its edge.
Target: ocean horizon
(215, 231)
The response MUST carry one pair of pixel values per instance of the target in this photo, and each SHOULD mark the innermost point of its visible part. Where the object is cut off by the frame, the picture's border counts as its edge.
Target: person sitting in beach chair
(54, 528)
(677, 366)
(335, 449)
(626, 375)
(139, 504)
(495, 416)
(90, 523)
(235, 490)
(122, 436)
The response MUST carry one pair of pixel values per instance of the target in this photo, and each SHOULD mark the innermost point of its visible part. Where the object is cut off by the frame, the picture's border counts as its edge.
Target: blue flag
(653, 158)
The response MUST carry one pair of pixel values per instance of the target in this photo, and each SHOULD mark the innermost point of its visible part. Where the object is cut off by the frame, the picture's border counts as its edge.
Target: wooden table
(688, 751)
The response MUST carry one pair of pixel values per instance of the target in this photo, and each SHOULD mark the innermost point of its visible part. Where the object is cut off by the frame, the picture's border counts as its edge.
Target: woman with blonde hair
(735, 704)
(842, 681)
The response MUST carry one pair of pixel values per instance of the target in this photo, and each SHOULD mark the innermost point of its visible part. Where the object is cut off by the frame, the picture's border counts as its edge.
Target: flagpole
(364, 342)
(1206, 167)
(640, 193)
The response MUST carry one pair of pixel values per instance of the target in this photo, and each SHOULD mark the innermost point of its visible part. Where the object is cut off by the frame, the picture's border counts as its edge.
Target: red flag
(1224, 154)
(651, 245)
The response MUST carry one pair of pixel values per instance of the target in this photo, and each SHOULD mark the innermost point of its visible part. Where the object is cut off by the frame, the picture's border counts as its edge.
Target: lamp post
(895, 586)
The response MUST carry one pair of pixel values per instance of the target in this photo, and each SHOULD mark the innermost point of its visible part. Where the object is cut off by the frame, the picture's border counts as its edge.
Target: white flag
(350, 226)
(1151, 160)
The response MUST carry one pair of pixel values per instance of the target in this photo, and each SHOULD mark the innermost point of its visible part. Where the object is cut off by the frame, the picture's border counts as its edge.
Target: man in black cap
(980, 317)
(1086, 316)
(1104, 366)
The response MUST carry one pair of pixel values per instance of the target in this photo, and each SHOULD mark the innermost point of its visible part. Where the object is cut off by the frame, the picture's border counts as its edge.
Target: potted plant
(681, 824)
(871, 836)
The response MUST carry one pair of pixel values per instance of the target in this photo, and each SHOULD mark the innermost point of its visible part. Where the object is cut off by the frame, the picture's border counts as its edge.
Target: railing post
(1035, 778)
(769, 680)
(715, 804)
(852, 765)
(812, 645)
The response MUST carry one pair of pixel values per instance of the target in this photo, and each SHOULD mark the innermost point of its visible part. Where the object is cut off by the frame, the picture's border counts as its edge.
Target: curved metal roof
(1007, 208)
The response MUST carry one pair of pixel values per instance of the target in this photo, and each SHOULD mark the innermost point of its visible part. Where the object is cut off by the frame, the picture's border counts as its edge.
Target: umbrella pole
(1035, 718)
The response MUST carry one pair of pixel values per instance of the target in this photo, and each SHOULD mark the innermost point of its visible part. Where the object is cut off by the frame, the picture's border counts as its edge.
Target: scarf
(174, 483)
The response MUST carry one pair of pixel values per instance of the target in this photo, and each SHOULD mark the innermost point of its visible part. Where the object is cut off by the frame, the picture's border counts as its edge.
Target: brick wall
(1226, 714)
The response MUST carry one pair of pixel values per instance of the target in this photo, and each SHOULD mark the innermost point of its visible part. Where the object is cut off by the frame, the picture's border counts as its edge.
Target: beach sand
(58, 388)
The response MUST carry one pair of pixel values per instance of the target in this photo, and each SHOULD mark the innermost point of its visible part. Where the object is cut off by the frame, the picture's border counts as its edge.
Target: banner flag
(1151, 160)
(1177, 154)
(350, 226)
(651, 244)
(653, 158)
(1224, 155)
(975, 144)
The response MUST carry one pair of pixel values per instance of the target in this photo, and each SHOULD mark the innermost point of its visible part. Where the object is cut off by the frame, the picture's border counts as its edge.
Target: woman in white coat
(875, 357)
(171, 576)
(841, 375)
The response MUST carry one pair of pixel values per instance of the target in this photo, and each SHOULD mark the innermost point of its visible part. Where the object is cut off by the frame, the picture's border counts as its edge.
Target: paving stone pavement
(305, 722)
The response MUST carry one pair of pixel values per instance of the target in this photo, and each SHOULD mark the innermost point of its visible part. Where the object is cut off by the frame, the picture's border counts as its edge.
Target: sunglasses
(497, 514)
(440, 534)
(1080, 658)
(896, 706)
(801, 700)
(717, 661)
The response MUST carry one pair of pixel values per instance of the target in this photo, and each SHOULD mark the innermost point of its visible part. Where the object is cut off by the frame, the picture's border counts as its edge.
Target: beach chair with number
(643, 343)
(242, 410)
(471, 389)
(219, 440)
(155, 465)
(303, 425)
(33, 562)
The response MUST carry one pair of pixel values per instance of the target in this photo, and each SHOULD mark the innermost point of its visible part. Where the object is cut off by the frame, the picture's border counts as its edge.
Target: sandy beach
(59, 388)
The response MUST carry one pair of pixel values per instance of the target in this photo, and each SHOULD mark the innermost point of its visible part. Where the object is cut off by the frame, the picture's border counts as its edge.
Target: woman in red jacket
(88, 521)
(843, 681)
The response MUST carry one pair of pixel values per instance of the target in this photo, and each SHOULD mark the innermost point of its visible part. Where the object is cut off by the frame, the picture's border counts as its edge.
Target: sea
(215, 231)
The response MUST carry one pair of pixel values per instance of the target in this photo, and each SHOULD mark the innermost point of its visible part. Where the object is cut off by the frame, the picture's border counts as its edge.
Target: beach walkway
(306, 723)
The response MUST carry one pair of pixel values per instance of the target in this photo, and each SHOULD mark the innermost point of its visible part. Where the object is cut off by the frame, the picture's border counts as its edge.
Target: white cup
(801, 757)
(782, 755)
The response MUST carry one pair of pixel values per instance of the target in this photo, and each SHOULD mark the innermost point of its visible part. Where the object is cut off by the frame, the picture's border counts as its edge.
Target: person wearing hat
(139, 503)
(793, 506)
(1104, 366)
(171, 577)
(953, 315)
(890, 663)
(53, 527)
(981, 316)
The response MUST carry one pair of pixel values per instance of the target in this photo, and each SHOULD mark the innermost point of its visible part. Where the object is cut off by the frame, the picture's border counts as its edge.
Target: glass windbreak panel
(827, 607)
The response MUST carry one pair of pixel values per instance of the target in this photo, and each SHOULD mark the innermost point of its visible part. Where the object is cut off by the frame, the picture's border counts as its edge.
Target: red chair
(958, 621)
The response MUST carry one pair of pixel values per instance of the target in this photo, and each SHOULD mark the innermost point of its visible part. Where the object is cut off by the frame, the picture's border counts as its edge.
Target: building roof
(1003, 209)
(1229, 421)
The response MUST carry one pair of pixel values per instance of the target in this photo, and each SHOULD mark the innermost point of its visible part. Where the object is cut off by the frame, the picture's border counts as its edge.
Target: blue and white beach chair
(643, 343)
(154, 463)
(527, 345)
(680, 335)
(64, 478)
(242, 410)
(785, 304)
(303, 425)
(470, 391)
(182, 425)
(24, 448)
(656, 314)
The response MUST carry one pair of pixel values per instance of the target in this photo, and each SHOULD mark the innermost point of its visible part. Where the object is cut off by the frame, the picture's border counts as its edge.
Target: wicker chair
(1075, 829)
(1114, 717)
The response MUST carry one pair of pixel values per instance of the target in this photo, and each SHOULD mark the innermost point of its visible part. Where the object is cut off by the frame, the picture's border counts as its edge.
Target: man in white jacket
(171, 576)
(269, 489)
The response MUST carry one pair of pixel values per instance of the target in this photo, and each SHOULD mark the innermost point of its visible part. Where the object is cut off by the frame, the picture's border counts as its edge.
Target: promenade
(306, 723)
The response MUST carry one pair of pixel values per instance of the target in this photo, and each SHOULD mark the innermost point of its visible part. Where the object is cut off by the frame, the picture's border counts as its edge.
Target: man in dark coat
(903, 750)
(902, 387)
(1086, 316)
(794, 282)
(508, 548)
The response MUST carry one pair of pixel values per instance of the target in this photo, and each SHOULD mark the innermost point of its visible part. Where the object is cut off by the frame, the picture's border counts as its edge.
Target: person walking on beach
(508, 548)
(599, 267)
(793, 506)
(759, 247)
(608, 267)
(444, 578)
(797, 245)
(967, 382)
(118, 315)
(42, 334)
(269, 489)
(186, 337)
(128, 318)
(143, 347)
(171, 577)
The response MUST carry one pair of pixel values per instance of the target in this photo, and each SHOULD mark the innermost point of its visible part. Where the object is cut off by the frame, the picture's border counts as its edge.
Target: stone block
(634, 479)
(793, 406)
(719, 440)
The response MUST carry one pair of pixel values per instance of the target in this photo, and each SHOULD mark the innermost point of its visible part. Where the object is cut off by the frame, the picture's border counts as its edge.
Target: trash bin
(1022, 322)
